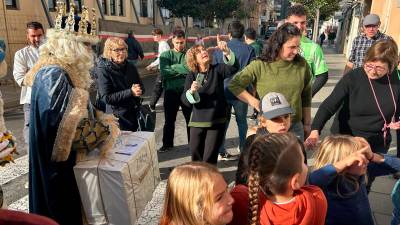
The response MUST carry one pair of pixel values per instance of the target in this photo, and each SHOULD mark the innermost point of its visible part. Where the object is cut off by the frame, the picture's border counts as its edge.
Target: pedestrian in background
(244, 54)
(363, 42)
(135, 51)
(322, 38)
(250, 38)
(162, 47)
(24, 60)
(173, 71)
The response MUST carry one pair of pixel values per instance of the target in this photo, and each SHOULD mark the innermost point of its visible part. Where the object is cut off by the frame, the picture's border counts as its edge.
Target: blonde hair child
(341, 163)
(196, 194)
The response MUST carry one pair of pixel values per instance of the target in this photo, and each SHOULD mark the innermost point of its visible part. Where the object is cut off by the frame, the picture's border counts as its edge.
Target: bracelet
(370, 159)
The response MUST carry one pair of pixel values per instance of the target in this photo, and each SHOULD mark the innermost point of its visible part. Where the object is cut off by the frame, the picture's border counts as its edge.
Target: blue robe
(53, 191)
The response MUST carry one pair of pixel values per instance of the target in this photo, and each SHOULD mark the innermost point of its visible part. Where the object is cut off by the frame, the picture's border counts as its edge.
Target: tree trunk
(316, 22)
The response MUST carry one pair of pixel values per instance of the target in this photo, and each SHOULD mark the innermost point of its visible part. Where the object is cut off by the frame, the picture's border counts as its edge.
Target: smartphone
(200, 79)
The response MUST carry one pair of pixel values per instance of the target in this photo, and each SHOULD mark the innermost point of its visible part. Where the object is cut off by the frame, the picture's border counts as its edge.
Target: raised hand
(222, 45)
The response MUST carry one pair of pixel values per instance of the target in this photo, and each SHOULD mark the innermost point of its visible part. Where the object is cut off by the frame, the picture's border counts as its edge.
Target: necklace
(386, 124)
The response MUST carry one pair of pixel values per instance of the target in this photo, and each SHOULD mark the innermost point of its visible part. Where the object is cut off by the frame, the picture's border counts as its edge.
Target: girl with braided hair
(276, 190)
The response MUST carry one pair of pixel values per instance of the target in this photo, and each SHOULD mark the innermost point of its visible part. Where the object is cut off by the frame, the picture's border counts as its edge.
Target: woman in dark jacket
(204, 89)
(120, 86)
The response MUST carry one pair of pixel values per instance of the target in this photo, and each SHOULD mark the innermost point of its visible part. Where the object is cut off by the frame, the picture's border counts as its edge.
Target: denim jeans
(298, 130)
(241, 121)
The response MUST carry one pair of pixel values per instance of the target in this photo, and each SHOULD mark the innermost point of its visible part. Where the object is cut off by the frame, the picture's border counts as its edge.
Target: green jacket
(173, 70)
(258, 46)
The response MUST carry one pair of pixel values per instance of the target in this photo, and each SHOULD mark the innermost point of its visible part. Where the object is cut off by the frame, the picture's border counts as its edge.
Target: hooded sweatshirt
(308, 207)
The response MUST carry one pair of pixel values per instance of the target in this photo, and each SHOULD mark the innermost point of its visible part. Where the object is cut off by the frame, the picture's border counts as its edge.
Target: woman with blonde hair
(204, 92)
(196, 194)
(120, 86)
(341, 163)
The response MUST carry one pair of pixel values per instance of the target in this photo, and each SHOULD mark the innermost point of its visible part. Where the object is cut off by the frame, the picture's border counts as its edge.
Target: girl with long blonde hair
(196, 194)
(341, 163)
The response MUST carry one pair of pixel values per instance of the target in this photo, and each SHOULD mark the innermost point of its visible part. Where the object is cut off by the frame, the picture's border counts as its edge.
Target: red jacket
(308, 208)
(9, 217)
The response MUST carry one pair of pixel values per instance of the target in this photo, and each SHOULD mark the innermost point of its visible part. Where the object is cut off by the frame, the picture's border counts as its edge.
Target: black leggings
(319, 82)
(172, 101)
(157, 91)
(205, 142)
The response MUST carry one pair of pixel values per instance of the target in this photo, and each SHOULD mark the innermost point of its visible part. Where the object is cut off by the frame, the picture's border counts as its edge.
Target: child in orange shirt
(276, 190)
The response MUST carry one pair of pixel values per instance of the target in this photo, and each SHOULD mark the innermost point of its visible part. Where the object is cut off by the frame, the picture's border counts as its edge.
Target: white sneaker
(227, 157)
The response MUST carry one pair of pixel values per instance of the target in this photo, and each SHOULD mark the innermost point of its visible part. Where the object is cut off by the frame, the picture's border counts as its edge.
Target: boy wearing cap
(362, 42)
(274, 116)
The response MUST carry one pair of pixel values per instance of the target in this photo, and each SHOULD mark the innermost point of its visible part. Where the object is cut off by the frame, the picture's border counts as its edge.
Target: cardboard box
(116, 188)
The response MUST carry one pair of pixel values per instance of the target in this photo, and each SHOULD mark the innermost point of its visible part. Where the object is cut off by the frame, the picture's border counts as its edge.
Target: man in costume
(59, 102)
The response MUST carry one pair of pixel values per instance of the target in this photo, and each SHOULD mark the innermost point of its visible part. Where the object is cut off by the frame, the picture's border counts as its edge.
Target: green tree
(223, 9)
(202, 9)
(326, 7)
(183, 8)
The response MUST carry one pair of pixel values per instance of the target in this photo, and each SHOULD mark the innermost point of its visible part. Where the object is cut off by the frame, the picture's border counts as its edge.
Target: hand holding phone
(200, 79)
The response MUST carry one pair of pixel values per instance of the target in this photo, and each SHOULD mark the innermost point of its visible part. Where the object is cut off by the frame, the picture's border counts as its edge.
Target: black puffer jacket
(114, 83)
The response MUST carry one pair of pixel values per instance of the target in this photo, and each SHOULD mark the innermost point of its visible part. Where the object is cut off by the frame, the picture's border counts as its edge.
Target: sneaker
(165, 149)
(227, 157)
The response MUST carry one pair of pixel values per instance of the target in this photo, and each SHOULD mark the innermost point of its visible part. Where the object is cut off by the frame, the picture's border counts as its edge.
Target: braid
(254, 185)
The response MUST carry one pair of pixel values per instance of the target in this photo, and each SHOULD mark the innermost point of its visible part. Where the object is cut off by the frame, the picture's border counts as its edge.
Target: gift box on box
(115, 189)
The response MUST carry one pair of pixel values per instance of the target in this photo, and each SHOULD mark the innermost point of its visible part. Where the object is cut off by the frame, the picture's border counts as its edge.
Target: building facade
(14, 14)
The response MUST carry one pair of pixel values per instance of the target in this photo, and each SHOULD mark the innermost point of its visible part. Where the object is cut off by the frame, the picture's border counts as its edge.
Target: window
(143, 8)
(121, 7)
(11, 4)
(78, 4)
(51, 4)
(112, 8)
(104, 6)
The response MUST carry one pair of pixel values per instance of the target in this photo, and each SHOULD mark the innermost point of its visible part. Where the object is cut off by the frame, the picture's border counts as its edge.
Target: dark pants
(377, 146)
(205, 142)
(172, 101)
(157, 91)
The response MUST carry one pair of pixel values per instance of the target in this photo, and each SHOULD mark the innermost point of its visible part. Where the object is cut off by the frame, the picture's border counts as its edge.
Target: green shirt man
(314, 56)
(310, 50)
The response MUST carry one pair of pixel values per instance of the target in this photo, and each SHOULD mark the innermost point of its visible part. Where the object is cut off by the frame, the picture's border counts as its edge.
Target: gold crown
(68, 31)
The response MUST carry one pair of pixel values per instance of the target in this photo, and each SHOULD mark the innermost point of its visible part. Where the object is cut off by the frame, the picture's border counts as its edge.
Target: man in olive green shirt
(310, 50)
(173, 72)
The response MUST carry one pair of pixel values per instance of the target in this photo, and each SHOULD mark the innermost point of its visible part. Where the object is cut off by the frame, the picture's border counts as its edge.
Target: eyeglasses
(378, 69)
(119, 50)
